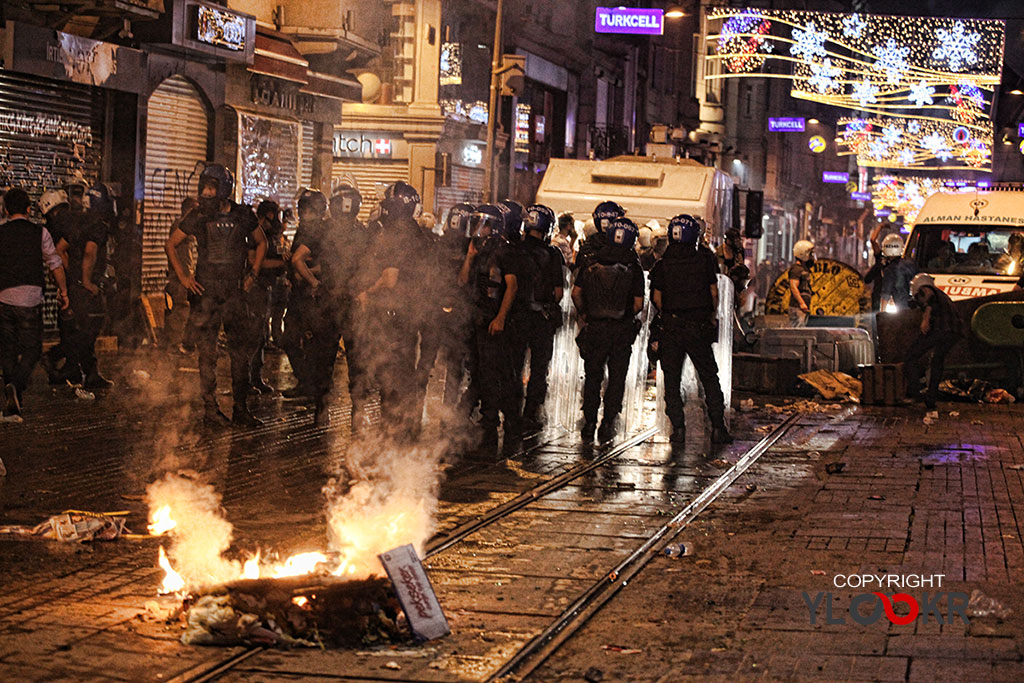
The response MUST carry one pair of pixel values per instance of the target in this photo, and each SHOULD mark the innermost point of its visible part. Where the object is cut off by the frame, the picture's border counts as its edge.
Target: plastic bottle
(676, 550)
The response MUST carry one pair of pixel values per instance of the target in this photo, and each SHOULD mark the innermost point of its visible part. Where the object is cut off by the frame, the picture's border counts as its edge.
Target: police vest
(223, 247)
(542, 256)
(490, 279)
(685, 283)
(608, 294)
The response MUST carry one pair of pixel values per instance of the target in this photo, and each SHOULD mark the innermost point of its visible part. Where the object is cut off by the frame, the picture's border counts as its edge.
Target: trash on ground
(73, 525)
(981, 605)
(818, 572)
(622, 649)
(977, 422)
(833, 386)
(931, 417)
(804, 406)
(1015, 467)
(677, 550)
(835, 467)
(976, 390)
(954, 413)
(876, 497)
(746, 405)
(84, 395)
(720, 463)
(139, 378)
(394, 666)
(593, 675)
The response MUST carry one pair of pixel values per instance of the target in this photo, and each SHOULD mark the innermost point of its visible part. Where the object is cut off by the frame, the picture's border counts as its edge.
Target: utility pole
(492, 107)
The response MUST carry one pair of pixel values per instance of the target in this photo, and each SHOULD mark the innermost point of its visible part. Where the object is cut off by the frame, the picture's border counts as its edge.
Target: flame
(251, 570)
(300, 600)
(297, 565)
(890, 307)
(172, 583)
(162, 522)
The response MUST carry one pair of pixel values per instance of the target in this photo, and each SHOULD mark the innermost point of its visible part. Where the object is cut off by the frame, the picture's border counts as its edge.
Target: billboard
(629, 20)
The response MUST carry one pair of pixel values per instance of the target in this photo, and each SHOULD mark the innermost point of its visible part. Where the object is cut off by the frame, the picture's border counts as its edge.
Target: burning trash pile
(335, 597)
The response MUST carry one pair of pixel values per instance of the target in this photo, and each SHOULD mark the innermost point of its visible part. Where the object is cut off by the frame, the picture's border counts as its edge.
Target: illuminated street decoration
(895, 142)
(904, 195)
(451, 64)
(934, 70)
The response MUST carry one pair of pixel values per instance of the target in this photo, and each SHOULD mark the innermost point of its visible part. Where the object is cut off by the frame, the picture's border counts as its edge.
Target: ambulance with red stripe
(972, 243)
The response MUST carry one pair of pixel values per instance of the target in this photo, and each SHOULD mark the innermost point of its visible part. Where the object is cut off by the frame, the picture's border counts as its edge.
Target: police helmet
(220, 177)
(488, 220)
(892, 246)
(310, 199)
(401, 201)
(684, 229)
(539, 218)
(921, 280)
(605, 213)
(622, 232)
(75, 188)
(457, 221)
(345, 201)
(513, 218)
(51, 199)
(99, 201)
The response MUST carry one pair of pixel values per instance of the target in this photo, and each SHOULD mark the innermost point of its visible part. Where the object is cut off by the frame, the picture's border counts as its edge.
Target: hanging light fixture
(674, 12)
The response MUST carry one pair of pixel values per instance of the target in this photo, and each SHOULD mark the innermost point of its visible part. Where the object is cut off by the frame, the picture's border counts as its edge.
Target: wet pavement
(940, 499)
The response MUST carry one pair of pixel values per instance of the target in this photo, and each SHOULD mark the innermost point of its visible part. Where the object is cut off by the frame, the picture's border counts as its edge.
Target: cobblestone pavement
(910, 499)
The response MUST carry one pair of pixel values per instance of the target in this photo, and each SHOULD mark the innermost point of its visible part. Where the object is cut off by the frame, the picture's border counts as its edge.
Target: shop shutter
(308, 150)
(177, 126)
(51, 132)
(368, 175)
(467, 186)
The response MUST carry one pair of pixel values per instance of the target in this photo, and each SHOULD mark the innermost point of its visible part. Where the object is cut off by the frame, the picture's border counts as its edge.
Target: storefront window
(270, 159)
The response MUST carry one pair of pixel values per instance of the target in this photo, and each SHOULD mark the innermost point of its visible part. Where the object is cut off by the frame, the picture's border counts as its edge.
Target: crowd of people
(481, 295)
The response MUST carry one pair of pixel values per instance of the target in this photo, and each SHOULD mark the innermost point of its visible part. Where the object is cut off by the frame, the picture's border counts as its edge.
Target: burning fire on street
(307, 598)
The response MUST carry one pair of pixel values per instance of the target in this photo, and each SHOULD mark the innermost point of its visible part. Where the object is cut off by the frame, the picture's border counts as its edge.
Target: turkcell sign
(786, 125)
(1020, 130)
(835, 177)
(861, 196)
(629, 20)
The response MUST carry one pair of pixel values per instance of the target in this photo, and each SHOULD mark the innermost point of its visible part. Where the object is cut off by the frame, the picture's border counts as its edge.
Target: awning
(274, 55)
(325, 85)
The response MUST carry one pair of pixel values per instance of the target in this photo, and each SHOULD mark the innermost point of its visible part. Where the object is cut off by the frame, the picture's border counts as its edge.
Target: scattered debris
(876, 497)
(818, 572)
(931, 417)
(622, 650)
(394, 666)
(976, 390)
(981, 605)
(805, 406)
(954, 413)
(747, 405)
(835, 467)
(977, 422)
(73, 525)
(677, 550)
(593, 675)
(833, 386)
(720, 463)
(1015, 467)
(84, 395)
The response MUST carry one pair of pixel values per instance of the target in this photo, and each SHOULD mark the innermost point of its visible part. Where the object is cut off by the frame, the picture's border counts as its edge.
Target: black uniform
(537, 316)
(610, 281)
(222, 241)
(259, 303)
(684, 276)
(89, 309)
(945, 329)
(496, 381)
(315, 325)
(58, 358)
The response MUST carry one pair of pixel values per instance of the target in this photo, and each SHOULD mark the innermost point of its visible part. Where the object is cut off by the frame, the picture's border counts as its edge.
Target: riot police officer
(268, 214)
(608, 293)
(540, 313)
(603, 215)
(84, 242)
(454, 327)
(684, 288)
(490, 270)
(389, 307)
(325, 263)
(54, 206)
(223, 230)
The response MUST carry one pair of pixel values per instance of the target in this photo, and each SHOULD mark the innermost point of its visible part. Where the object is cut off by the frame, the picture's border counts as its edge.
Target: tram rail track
(533, 654)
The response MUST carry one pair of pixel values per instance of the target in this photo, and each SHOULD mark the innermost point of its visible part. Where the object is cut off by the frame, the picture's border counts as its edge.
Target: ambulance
(972, 243)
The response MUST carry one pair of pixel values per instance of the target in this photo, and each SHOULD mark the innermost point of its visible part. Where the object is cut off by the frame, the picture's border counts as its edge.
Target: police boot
(531, 422)
(488, 441)
(297, 393)
(678, 435)
(213, 417)
(719, 432)
(94, 380)
(241, 416)
(322, 416)
(606, 432)
(587, 433)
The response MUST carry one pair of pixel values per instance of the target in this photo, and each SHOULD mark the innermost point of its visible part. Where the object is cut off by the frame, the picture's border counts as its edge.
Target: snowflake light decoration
(865, 92)
(892, 135)
(921, 93)
(914, 127)
(878, 149)
(907, 157)
(853, 26)
(892, 59)
(743, 43)
(934, 143)
(956, 46)
(823, 76)
(809, 43)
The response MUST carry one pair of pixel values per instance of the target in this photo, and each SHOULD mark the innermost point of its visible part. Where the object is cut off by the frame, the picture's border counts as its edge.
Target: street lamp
(492, 106)
(674, 12)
